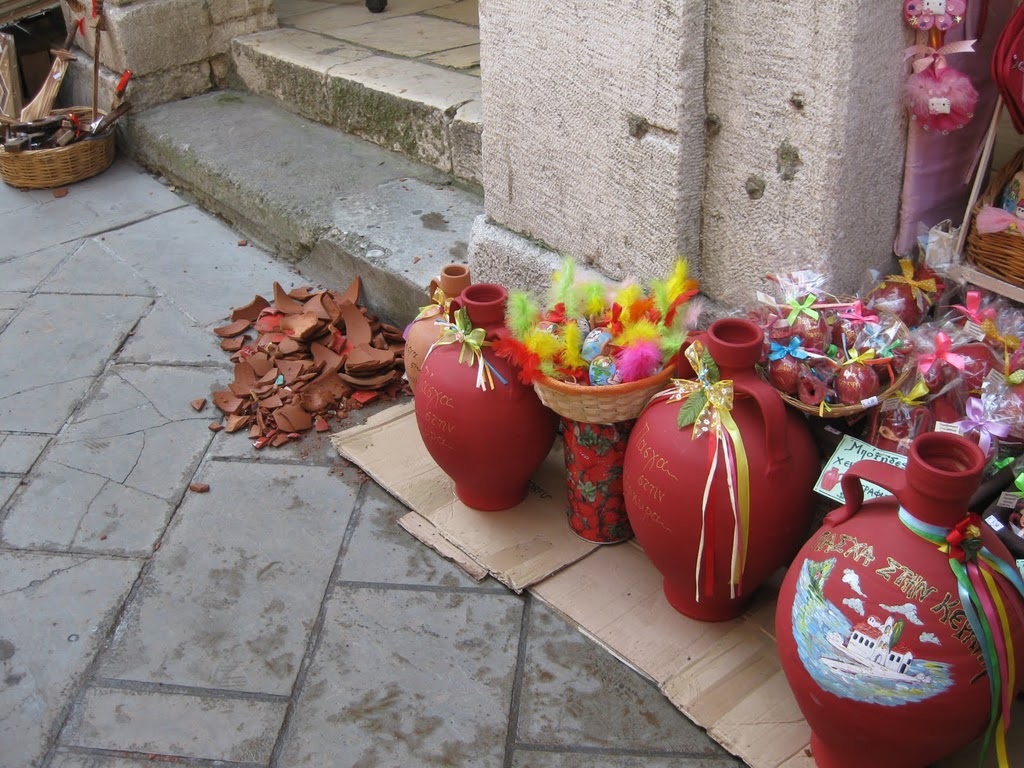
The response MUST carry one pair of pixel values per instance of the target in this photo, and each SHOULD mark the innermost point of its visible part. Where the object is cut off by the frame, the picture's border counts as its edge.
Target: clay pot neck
(453, 280)
(943, 471)
(735, 344)
(485, 304)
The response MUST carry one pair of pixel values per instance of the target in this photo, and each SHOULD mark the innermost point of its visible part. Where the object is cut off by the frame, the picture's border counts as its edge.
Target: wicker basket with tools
(1000, 254)
(59, 166)
(609, 404)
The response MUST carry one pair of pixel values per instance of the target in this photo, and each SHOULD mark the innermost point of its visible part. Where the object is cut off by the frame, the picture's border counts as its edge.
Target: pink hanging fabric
(937, 173)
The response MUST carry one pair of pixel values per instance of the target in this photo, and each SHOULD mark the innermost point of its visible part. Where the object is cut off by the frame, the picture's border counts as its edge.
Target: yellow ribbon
(1011, 672)
(716, 418)
(439, 305)
(863, 357)
(915, 396)
(471, 352)
(1010, 343)
(917, 287)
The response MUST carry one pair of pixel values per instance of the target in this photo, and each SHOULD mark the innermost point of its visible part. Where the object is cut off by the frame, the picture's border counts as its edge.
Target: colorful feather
(521, 314)
(573, 338)
(594, 299)
(544, 345)
(628, 295)
(638, 361)
(563, 288)
(679, 283)
(642, 330)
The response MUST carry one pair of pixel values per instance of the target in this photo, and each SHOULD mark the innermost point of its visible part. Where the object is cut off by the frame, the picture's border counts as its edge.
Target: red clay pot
(665, 471)
(871, 633)
(420, 334)
(490, 442)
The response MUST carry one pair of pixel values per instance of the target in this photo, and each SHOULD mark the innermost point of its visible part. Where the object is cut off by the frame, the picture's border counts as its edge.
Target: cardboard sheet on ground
(726, 677)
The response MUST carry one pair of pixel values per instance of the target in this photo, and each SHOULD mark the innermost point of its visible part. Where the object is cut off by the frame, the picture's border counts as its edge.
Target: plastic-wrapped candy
(901, 418)
(594, 344)
(603, 371)
(989, 421)
(800, 292)
(908, 295)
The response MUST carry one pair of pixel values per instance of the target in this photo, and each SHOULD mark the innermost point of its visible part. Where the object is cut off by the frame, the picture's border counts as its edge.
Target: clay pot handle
(878, 473)
(773, 411)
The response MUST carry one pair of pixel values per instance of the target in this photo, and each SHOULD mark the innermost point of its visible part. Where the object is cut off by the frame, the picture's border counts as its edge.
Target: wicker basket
(56, 167)
(1000, 254)
(600, 405)
(842, 411)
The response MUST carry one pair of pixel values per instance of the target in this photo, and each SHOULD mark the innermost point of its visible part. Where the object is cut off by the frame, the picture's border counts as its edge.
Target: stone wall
(751, 136)
(174, 48)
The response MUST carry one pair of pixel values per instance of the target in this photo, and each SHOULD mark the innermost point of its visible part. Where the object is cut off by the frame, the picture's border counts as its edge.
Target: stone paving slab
(312, 448)
(24, 272)
(8, 485)
(352, 13)
(55, 613)
(88, 209)
(588, 759)
(19, 452)
(53, 349)
(410, 678)
(382, 552)
(65, 758)
(236, 586)
(409, 35)
(113, 477)
(167, 336)
(89, 270)
(176, 724)
(568, 683)
(196, 263)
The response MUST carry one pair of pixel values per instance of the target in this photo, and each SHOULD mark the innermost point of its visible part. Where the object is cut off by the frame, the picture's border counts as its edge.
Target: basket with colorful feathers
(598, 352)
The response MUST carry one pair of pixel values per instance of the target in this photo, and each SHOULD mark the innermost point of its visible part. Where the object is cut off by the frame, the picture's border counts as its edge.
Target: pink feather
(694, 308)
(638, 361)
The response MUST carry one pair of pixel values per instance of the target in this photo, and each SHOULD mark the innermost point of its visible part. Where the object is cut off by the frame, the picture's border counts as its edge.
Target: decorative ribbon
(473, 341)
(943, 344)
(1018, 481)
(861, 357)
(971, 308)
(1010, 343)
(974, 567)
(439, 306)
(915, 396)
(977, 420)
(918, 288)
(793, 349)
(855, 314)
(936, 55)
(805, 307)
(715, 398)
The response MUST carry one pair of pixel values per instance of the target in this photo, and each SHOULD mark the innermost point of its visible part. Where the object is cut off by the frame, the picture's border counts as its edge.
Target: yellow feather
(678, 284)
(573, 336)
(628, 295)
(543, 344)
(641, 330)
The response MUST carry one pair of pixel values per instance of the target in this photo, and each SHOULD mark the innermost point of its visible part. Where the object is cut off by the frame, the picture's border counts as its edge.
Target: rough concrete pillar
(805, 142)
(174, 48)
(593, 139)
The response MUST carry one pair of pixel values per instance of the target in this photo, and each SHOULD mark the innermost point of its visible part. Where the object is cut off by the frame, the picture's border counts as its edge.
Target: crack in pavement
(53, 574)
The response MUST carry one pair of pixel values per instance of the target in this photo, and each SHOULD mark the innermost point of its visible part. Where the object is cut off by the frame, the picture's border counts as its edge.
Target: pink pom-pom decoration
(941, 14)
(638, 361)
(941, 99)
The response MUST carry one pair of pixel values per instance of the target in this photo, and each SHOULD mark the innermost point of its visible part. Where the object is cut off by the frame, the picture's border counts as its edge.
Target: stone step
(429, 113)
(333, 204)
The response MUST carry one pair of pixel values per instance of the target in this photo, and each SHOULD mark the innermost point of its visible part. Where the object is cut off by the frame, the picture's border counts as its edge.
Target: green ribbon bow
(804, 307)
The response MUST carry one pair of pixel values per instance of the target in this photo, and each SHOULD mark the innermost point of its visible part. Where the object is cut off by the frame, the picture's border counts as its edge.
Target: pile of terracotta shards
(302, 358)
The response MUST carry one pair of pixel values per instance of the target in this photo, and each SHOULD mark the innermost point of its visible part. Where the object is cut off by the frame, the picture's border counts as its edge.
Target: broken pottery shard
(215, 426)
(302, 292)
(331, 361)
(245, 374)
(351, 294)
(261, 363)
(269, 322)
(365, 396)
(234, 344)
(235, 423)
(227, 401)
(199, 487)
(369, 382)
(232, 329)
(302, 325)
(391, 333)
(293, 418)
(250, 311)
(198, 404)
(290, 369)
(285, 303)
(365, 359)
(357, 327)
(320, 424)
(280, 440)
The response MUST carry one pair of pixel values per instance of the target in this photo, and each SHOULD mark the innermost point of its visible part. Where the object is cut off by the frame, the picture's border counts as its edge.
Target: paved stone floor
(283, 618)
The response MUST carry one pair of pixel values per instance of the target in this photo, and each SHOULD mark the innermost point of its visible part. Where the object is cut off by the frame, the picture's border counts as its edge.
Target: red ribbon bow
(964, 539)
(943, 344)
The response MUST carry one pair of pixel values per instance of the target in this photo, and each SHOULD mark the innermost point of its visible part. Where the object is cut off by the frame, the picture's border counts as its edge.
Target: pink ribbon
(971, 308)
(856, 314)
(976, 420)
(991, 219)
(942, 346)
(937, 55)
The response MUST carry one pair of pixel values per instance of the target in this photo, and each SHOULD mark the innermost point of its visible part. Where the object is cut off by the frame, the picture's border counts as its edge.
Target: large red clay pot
(489, 441)
(424, 330)
(665, 472)
(873, 637)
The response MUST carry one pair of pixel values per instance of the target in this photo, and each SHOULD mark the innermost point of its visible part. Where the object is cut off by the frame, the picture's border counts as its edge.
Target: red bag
(1008, 67)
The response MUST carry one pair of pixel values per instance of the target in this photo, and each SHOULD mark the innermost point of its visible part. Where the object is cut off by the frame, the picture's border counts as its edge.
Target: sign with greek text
(848, 453)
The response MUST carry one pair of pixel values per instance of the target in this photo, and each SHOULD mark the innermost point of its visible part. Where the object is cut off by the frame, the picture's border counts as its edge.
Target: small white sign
(848, 453)
(947, 426)
(994, 524)
(1008, 499)
(973, 330)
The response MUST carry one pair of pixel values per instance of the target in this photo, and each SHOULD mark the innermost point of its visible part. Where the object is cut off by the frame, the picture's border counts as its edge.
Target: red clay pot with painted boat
(423, 331)
(488, 439)
(877, 630)
(665, 473)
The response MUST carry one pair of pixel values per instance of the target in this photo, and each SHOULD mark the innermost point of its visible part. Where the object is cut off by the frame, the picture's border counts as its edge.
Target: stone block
(498, 255)
(594, 140)
(154, 36)
(224, 10)
(223, 33)
(466, 131)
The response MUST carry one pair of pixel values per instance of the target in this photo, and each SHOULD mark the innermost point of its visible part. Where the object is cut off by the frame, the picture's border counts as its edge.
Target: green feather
(521, 314)
(670, 342)
(563, 288)
(662, 300)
